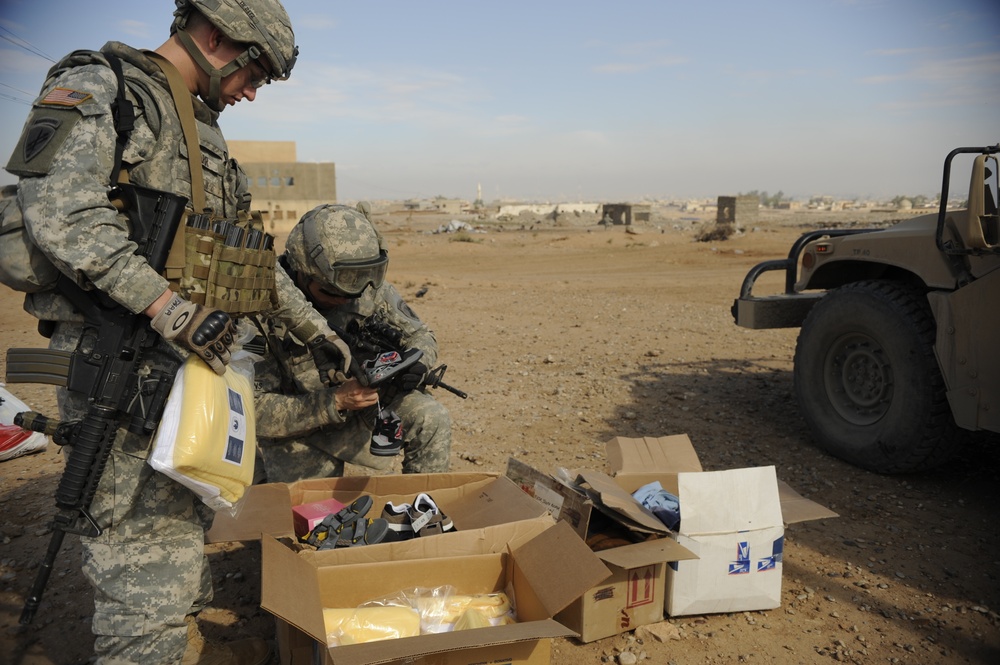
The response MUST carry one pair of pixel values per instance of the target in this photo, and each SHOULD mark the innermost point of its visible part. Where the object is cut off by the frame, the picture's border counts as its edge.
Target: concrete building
(737, 210)
(283, 188)
(625, 213)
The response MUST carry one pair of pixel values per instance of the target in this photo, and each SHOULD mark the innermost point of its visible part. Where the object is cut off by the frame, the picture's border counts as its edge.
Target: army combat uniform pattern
(148, 566)
(302, 435)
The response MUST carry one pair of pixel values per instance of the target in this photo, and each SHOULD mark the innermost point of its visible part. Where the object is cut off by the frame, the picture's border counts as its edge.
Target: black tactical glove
(412, 377)
(332, 358)
(208, 332)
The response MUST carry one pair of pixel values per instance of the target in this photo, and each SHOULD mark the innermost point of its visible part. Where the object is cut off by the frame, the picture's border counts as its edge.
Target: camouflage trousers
(148, 567)
(322, 454)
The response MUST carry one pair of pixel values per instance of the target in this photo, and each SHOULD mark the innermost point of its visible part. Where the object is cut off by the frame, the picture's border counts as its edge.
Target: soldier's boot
(199, 651)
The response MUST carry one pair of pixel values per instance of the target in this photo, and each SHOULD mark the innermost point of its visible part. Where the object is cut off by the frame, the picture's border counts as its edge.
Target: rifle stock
(105, 367)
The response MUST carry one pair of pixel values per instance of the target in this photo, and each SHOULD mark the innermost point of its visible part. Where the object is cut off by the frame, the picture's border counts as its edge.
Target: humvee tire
(867, 381)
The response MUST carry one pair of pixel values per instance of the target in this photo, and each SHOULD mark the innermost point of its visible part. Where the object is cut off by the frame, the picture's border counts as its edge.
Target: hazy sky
(585, 100)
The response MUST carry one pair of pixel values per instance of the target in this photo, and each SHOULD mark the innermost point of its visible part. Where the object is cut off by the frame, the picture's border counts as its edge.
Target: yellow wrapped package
(369, 624)
(440, 614)
(207, 438)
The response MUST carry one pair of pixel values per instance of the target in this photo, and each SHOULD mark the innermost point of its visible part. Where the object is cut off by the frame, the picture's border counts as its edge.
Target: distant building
(283, 189)
(625, 213)
(737, 210)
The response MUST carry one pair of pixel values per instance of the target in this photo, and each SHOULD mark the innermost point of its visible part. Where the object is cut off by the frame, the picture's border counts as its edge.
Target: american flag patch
(65, 97)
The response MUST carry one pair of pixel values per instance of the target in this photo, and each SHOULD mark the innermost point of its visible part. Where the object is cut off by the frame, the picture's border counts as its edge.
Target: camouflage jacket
(290, 398)
(64, 159)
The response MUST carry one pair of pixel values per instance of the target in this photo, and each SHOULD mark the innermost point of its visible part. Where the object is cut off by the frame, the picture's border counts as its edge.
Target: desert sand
(566, 334)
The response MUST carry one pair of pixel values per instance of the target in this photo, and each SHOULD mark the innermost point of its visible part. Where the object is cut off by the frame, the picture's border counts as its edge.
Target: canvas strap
(185, 111)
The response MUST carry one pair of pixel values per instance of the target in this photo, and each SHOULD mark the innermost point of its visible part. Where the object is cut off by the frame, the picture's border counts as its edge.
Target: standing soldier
(338, 258)
(148, 566)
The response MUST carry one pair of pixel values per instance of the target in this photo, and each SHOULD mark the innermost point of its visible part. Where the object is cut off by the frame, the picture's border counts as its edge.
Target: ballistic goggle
(351, 278)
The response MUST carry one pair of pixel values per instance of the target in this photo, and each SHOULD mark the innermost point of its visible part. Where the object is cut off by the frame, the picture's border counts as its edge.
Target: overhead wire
(24, 44)
(30, 48)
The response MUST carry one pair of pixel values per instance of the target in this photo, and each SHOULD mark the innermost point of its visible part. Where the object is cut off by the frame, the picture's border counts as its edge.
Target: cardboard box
(297, 648)
(540, 564)
(504, 540)
(726, 557)
(634, 594)
(471, 500)
(733, 520)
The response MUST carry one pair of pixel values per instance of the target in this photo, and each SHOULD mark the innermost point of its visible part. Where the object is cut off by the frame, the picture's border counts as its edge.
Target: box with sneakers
(513, 559)
(399, 507)
(477, 532)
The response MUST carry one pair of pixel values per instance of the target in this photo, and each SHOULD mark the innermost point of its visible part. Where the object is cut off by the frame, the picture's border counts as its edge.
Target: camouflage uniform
(148, 566)
(302, 435)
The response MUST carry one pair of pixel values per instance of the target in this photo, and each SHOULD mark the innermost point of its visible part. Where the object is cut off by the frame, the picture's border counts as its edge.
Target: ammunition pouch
(227, 266)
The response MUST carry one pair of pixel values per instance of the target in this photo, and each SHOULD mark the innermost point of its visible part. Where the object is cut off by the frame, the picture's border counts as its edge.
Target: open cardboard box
(726, 556)
(733, 520)
(634, 594)
(504, 541)
(540, 564)
(471, 500)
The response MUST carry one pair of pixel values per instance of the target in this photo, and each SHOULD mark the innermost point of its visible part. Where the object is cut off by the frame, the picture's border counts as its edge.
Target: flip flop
(364, 531)
(334, 523)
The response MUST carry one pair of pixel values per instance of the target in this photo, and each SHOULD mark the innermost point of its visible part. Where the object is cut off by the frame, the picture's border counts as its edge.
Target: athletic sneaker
(427, 519)
(399, 521)
(421, 518)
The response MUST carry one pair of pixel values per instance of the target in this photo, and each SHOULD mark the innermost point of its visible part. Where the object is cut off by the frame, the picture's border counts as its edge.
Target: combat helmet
(263, 24)
(338, 247)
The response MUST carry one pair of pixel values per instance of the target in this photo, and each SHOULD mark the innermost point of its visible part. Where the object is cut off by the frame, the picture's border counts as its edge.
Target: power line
(4, 95)
(24, 44)
(30, 95)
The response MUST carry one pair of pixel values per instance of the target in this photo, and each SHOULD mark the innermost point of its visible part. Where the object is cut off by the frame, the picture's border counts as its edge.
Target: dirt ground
(566, 334)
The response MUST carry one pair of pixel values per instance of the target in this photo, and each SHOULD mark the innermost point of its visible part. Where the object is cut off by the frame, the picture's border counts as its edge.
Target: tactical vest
(210, 263)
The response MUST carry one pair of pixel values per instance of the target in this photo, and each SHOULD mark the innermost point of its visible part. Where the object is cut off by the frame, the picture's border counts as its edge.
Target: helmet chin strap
(214, 100)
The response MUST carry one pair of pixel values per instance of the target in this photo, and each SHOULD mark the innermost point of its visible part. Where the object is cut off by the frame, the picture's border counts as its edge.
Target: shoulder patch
(65, 97)
(38, 135)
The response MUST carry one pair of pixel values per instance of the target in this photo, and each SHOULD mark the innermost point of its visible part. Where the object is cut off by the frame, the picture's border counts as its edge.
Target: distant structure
(624, 213)
(737, 211)
(283, 189)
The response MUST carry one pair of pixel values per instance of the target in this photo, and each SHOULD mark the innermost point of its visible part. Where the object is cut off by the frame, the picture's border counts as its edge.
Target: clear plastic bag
(442, 608)
(207, 437)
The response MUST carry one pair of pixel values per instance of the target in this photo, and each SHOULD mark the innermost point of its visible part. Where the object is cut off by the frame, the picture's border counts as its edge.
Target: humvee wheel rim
(858, 379)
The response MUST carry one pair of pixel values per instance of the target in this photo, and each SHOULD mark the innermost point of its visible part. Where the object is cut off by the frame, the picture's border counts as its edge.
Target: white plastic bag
(207, 437)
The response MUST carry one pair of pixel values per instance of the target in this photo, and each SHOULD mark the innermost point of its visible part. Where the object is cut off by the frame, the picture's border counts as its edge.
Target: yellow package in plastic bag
(207, 438)
(369, 624)
(441, 613)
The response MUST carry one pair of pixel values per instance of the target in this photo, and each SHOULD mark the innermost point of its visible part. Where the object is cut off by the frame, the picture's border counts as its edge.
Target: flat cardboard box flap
(264, 509)
(729, 501)
(409, 649)
(559, 567)
(646, 553)
(665, 454)
(796, 508)
(609, 496)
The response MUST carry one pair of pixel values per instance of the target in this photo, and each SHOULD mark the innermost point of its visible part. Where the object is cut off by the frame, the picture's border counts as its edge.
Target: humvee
(898, 354)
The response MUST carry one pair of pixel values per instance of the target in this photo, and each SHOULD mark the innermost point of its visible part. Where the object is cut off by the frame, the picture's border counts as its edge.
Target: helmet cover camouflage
(339, 247)
(260, 23)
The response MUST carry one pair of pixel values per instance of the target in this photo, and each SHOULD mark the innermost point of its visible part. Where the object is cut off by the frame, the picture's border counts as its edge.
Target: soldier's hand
(352, 396)
(210, 333)
(332, 358)
(413, 376)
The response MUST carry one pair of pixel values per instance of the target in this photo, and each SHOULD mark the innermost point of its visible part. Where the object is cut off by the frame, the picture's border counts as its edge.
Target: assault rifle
(106, 367)
(379, 347)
